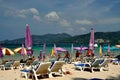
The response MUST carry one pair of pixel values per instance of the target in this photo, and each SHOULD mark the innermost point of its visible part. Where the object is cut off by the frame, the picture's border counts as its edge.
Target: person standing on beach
(88, 53)
(58, 56)
(66, 56)
(77, 54)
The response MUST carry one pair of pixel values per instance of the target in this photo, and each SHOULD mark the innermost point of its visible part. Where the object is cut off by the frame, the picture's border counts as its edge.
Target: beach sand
(113, 73)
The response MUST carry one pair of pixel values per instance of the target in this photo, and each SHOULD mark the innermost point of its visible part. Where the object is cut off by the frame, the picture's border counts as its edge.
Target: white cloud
(83, 22)
(64, 23)
(34, 11)
(23, 13)
(37, 18)
(52, 16)
(31, 13)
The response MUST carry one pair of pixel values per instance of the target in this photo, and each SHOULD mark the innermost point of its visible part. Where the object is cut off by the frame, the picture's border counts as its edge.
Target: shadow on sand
(109, 78)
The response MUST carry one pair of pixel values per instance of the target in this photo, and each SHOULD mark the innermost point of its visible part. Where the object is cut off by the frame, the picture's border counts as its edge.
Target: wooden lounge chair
(55, 67)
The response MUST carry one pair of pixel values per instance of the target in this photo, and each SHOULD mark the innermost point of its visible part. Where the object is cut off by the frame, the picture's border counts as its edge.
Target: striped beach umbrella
(7, 51)
(21, 50)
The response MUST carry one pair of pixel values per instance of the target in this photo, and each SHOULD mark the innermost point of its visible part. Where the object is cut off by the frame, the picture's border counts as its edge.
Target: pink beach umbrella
(91, 42)
(80, 48)
(55, 51)
(108, 49)
(59, 49)
(23, 51)
(44, 51)
(1, 53)
(28, 41)
(40, 56)
(71, 50)
(44, 48)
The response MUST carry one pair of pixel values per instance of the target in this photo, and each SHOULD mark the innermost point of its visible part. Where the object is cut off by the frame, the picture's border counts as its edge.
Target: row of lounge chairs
(10, 65)
(48, 68)
(101, 64)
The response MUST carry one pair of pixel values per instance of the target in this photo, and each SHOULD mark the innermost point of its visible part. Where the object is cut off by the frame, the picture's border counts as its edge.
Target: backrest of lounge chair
(8, 64)
(96, 62)
(35, 62)
(43, 68)
(104, 63)
(16, 63)
(56, 66)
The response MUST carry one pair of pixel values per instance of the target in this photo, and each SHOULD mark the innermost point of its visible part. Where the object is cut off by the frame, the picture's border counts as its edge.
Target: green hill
(100, 37)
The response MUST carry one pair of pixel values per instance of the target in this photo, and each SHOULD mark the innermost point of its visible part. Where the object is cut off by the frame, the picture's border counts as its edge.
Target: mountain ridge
(107, 37)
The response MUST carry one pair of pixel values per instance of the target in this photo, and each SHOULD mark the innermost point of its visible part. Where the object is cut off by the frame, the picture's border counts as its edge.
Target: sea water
(38, 48)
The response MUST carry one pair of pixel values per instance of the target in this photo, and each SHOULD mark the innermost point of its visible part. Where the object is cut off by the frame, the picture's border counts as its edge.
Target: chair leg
(50, 75)
(101, 69)
(25, 74)
(92, 69)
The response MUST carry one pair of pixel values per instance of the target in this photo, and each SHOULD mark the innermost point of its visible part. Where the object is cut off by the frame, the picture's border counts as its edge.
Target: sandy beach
(113, 73)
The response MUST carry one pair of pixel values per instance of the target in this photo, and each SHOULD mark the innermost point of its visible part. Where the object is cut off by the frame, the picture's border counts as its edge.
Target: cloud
(32, 13)
(27, 12)
(52, 16)
(37, 18)
(65, 23)
(109, 21)
(83, 29)
(83, 22)
(24, 13)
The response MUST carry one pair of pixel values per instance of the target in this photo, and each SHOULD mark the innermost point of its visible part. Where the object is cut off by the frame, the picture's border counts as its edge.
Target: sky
(74, 17)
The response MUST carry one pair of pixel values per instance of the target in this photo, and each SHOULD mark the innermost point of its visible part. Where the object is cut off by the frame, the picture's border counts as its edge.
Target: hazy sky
(74, 17)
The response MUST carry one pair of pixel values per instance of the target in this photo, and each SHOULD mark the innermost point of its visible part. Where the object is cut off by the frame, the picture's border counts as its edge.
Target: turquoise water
(38, 48)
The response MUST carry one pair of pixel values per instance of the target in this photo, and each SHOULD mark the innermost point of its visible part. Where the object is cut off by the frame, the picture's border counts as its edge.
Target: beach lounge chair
(7, 65)
(55, 67)
(41, 69)
(104, 65)
(34, 63)
(94, 64)
(117, 61)
(16, 64)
